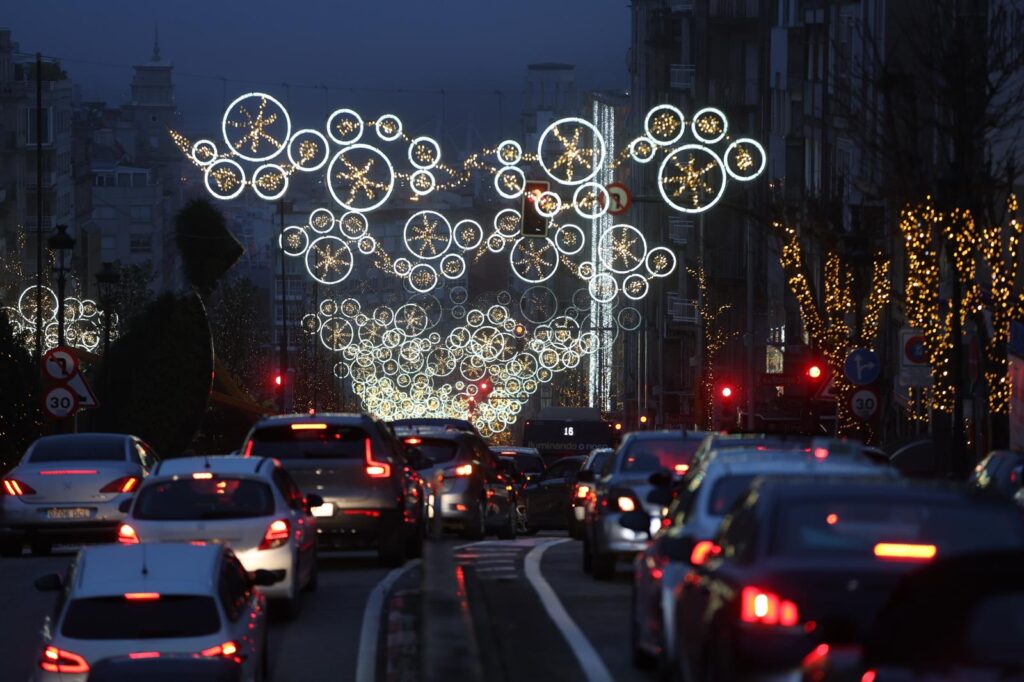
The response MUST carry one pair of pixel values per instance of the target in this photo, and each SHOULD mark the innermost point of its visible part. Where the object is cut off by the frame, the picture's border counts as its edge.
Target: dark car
(547, 499)
(155, 667)
(528, 460)
(422, 424)
(806, 560)
(372, 496)
(595, 463)
(1001, 472)
(956, 619)
(468, 487)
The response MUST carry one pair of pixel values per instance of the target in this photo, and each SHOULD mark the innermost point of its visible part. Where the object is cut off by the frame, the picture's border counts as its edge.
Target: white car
(250, 504)
(152, 600)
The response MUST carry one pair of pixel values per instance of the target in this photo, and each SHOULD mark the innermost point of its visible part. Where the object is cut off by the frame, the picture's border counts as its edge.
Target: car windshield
(121, 618)
(191, 499)
(866, 527)
(308, 441)
(437, 450)
(651, 454)
(79, 448)
(597, 462)
(726, 491)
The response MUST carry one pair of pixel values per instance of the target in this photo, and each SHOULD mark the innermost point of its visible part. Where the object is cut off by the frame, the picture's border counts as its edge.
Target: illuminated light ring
(241, 178)
(398, 127)
(656, 110)
(635, 277)
(358, 129)
(515, 147)
(341, 370)
(498, 187)
(750, 142)
(673, 154)
(287, 122)
(504, 298)
(597, 164)
(603, 288)
(342, 246)
(635, 154)
(457, 234)
(325, 216)
(565, 229)
(453, 258)
(625, 313)
(409, 316)
(391, 181)
(601, 204)
(606, 253)
(534, 241)
(553, 199)
(328, 307)
(442, 221)
(271, 167)
(336, 327)
(429, 141)
(458, 295)
(495, 243)
(414, 182)
(658, 250)
(586, 270)
(497, 314)
(716, 112)
(290, 230)
(402, 266)
(529, 307)
(475, 318)
(345, 222)
(193, 153)
(326, 150)
(511, 232)
(366, 245)
(351, 306)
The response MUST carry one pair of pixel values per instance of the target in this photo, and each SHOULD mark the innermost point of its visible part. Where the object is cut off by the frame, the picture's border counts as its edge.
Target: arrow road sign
(862, 367)
(60, 364)
(83, 391)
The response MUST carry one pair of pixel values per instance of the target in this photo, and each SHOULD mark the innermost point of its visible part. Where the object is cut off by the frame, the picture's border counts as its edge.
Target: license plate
(325, 509)
(69, 513)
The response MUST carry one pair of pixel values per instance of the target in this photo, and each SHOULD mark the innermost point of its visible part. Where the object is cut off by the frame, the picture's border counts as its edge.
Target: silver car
(250, 504)
(69, 488)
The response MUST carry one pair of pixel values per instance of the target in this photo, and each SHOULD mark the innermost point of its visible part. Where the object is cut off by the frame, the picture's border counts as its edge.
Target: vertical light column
(601, 363)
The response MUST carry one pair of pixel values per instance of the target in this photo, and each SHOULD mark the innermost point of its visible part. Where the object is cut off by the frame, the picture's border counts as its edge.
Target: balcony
(681, 311)
(681, 5)
(682, 76)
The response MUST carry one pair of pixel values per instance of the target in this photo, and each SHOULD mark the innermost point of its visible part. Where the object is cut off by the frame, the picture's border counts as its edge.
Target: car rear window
(436, 451)
(597, 464)
(79, 448)
(726, 491)
(525, 462)
(674, 454)
(854, 527)
(309, 441)
(189, 499)
(118, 618)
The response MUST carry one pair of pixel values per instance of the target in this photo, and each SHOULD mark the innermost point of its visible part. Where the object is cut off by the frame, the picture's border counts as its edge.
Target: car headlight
(625, 504)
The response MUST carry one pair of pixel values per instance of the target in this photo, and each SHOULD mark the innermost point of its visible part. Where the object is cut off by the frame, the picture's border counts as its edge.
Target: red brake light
(59, 661)
(142, 596)
(248, 449)
(413, 441)
(702, 550)
(16, 488)
(125, 484)
(126, 535)
(227, 649)
(375, 469)
(766, 608)
(68, 472)
(305, 426)
(869, 676)
(277, 534)
(905, 552)
(136, 655)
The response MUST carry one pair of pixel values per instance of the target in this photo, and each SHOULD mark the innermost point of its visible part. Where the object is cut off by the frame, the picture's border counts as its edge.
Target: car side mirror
(51, 582)
(636, 521)
(125, 506)
(264, 578)
(586, 476)
(313, 500)
(660, 479)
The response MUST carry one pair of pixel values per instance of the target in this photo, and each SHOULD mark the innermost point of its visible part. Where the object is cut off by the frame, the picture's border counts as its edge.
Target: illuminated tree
(716, 336)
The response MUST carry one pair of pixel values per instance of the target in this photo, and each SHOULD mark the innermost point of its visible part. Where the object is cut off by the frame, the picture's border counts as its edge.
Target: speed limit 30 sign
(60, 402)
(864, 403)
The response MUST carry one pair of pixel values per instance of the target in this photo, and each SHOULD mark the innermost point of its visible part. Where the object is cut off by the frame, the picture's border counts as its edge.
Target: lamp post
(107, 280)
(62, 244)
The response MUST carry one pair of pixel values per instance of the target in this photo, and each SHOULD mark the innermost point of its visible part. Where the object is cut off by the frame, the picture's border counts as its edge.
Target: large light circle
(329, 260)
(571, 153)
(534, 259)
(664, 125)
(353, 178)
(622, 248)
(689, 185)
(428, 234)
(256, 122)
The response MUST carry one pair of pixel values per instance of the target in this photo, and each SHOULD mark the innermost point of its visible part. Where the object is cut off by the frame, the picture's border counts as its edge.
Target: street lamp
(107, 280)
(61, 244)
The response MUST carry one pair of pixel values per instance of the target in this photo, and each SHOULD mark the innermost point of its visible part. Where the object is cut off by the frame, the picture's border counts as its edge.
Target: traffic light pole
(283, 359)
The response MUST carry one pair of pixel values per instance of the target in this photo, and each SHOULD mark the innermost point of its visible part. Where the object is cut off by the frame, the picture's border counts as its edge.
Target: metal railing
(682, 76)
(681, 310)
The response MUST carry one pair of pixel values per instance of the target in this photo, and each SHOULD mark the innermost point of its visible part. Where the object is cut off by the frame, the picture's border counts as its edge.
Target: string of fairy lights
(716, 337)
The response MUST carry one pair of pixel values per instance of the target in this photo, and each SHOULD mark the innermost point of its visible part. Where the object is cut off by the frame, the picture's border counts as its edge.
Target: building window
(104, 180)
(138, 179)
(141, 214)
(30, 125)
(104, 213)
(140, 243)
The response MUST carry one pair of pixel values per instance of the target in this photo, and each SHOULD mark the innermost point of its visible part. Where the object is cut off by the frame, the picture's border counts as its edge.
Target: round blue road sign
(862, 367)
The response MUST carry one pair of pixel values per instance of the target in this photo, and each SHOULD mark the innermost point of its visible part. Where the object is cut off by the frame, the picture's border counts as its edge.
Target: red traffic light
(815, 371)
(484, 386)
(726, 391)
(278, 380)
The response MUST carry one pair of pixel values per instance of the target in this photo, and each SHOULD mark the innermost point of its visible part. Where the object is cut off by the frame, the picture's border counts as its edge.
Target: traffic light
(483, 389)
(283, 384)
(815, 372)
(534, 224)
(723, 406)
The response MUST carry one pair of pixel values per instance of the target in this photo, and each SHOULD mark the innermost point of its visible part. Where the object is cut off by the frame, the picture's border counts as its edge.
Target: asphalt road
(322, 643)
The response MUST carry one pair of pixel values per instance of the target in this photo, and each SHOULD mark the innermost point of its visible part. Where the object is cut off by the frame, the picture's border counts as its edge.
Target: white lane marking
(590, 661)
(366, 658)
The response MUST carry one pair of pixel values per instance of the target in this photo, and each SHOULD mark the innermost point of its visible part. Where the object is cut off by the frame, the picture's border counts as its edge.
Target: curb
(448, 641)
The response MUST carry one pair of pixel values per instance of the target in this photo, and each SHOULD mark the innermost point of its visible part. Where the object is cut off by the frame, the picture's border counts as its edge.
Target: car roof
(795, 487)
(783, 461)
(302, 417)
(662, 434)
(218, 464)
(166, 568)
(515, 451)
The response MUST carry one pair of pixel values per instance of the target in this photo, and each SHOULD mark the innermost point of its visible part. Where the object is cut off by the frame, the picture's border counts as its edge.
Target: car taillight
(16, 488)
(125, 484)
(868, 676)
(126, 535)
(767, 608)
(56, 660)
(625, 503)
(375, 469)
(248, 450)
(277, 534)
(582, 491)
(899, 551)
(227, 650)
(464, 470)
(702, 551)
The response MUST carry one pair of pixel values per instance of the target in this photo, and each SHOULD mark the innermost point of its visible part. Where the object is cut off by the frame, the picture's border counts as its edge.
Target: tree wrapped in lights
(716, 336)
(986, 262)
(828, 326)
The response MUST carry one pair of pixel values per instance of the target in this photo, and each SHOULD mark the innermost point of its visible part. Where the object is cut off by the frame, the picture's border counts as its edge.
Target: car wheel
(293, 605)
(476, 528)
(508, 531)
(602, 565)
(10, 548)
(314, 575)
(391, 549)
(41, 547)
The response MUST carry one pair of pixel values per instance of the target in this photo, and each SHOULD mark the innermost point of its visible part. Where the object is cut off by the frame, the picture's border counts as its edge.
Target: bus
(562, 431)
